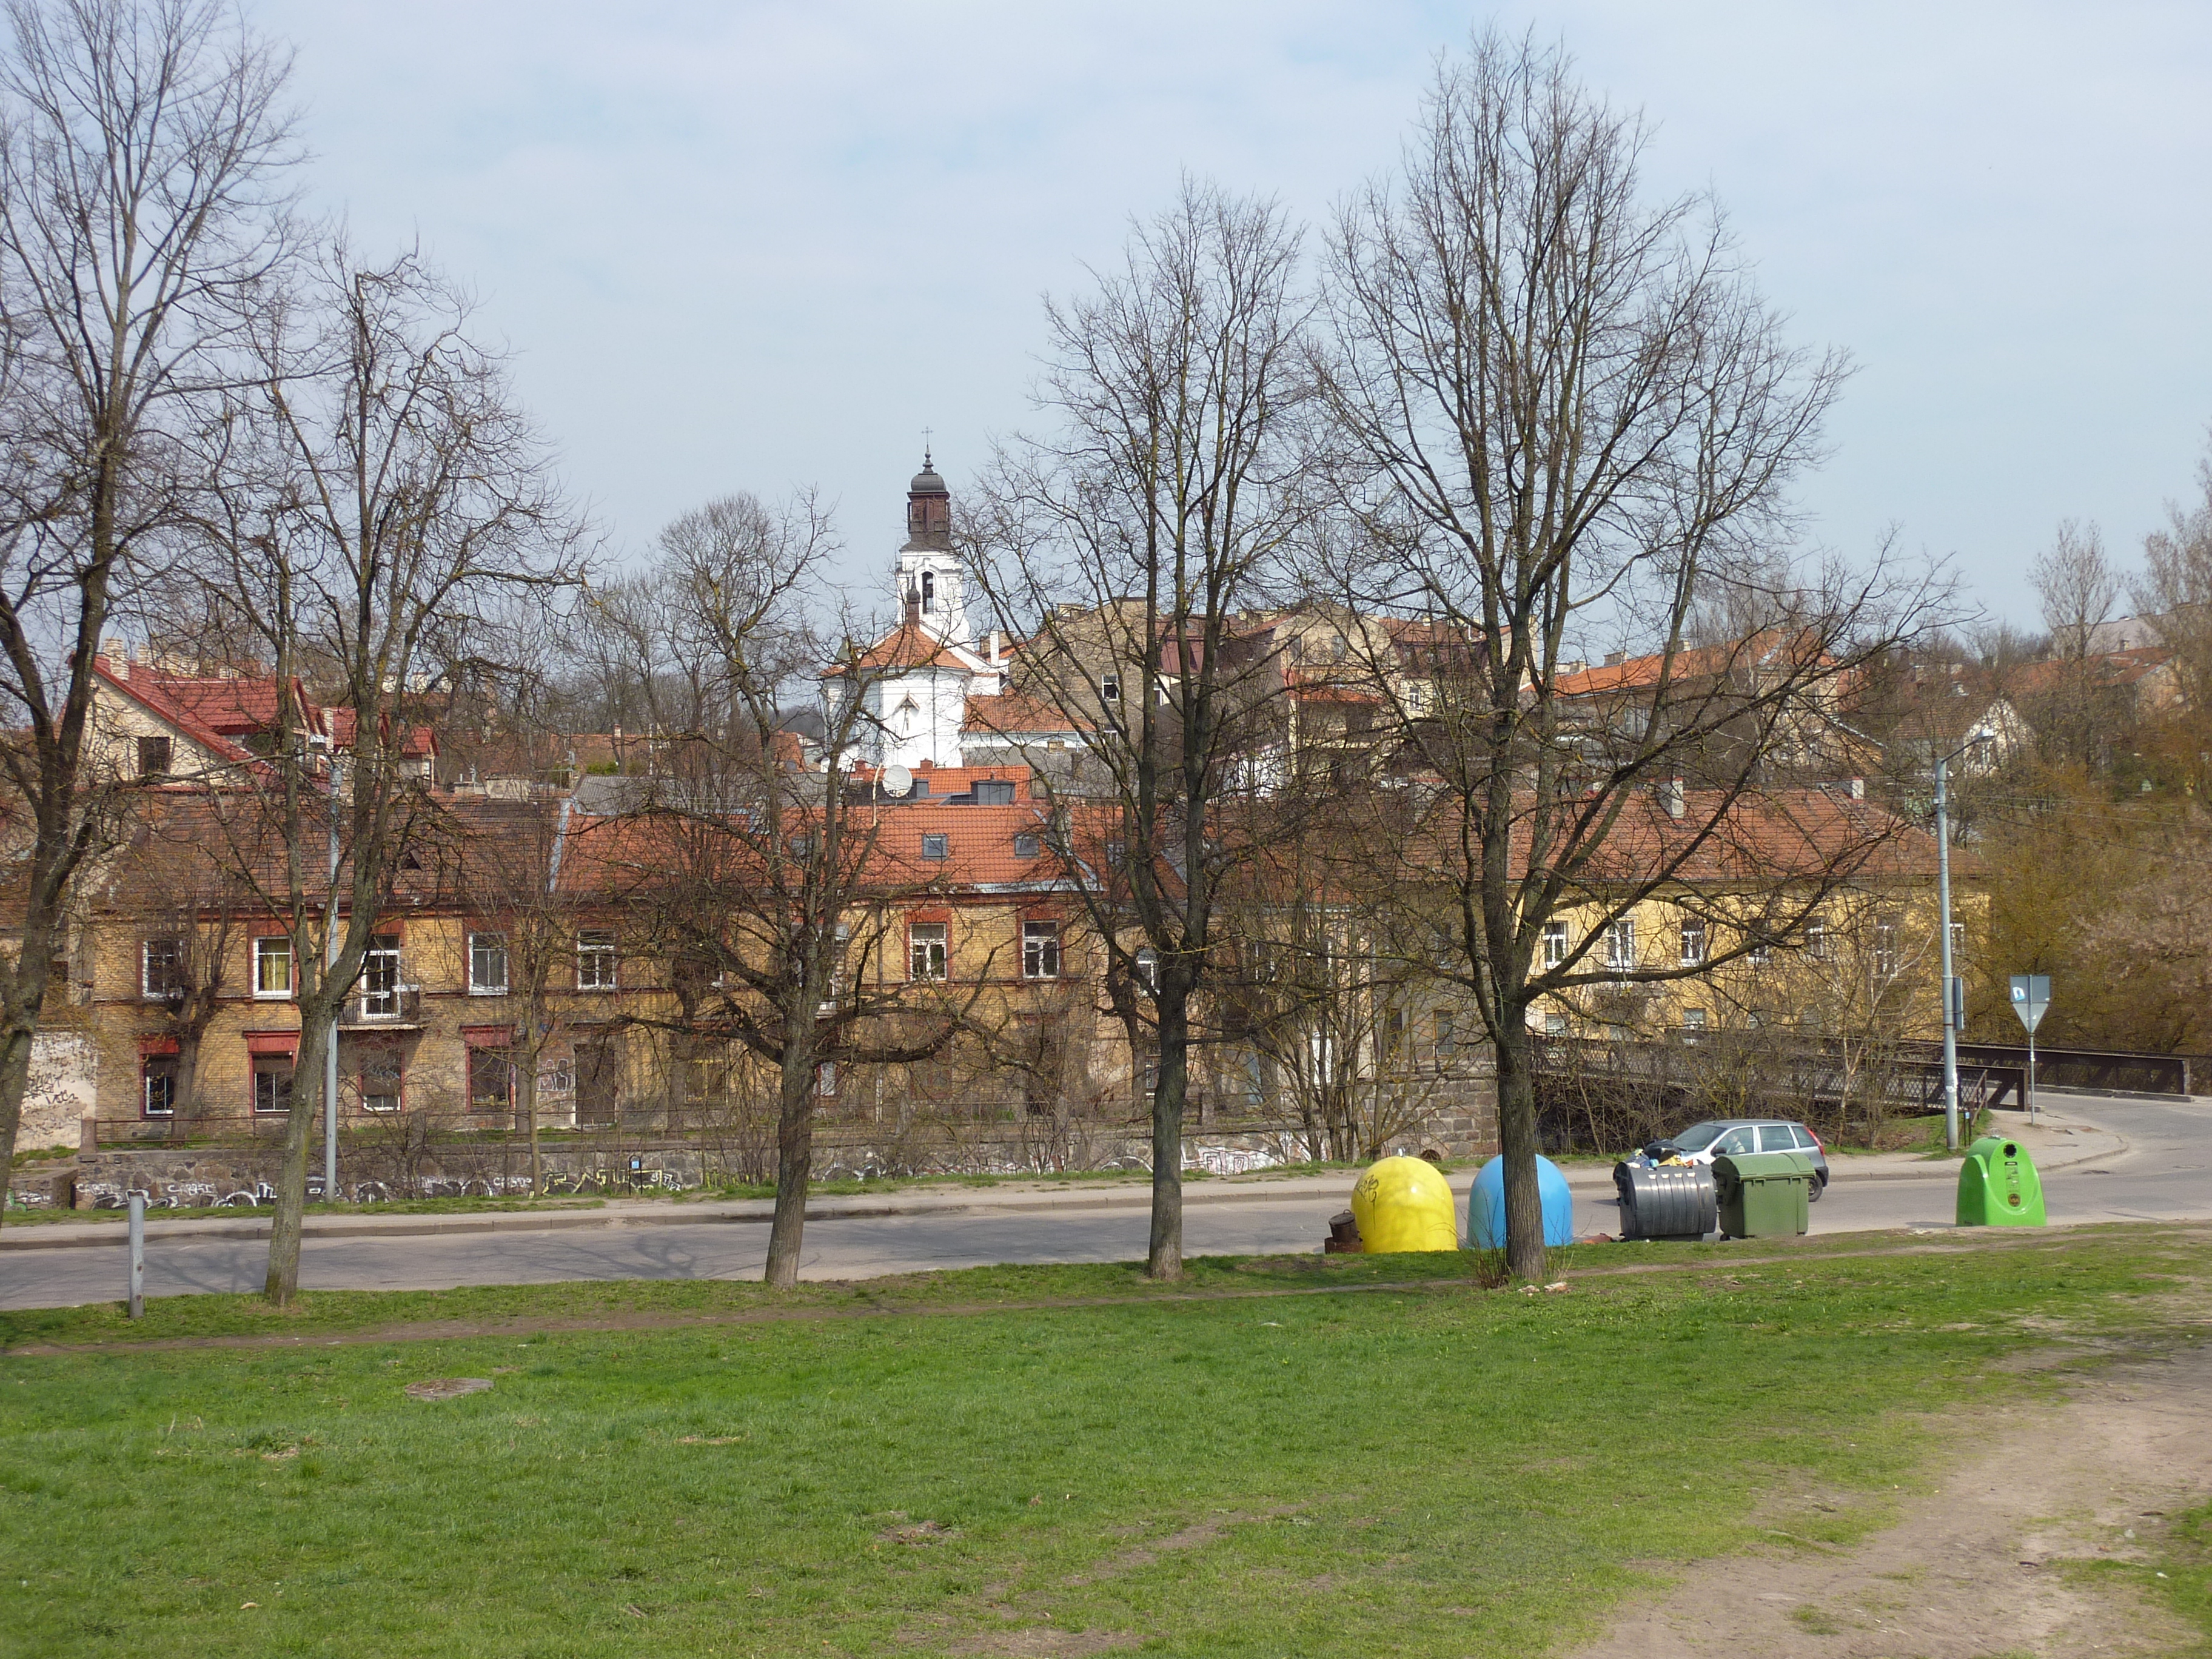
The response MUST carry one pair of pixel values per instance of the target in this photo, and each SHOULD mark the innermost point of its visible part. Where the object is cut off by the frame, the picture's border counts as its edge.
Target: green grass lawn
(1434, 1470)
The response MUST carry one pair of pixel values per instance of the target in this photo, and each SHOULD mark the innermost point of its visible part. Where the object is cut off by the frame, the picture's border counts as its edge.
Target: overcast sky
(744, 247)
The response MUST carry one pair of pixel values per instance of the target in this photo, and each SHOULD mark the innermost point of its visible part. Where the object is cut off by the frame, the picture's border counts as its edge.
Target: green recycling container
(1998, 1186)
(1764, 1194)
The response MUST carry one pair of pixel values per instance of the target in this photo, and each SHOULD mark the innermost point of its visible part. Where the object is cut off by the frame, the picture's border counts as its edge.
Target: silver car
(1732, 1137)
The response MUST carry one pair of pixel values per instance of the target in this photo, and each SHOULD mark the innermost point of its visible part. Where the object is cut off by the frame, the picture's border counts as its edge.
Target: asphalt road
(2164, 1174)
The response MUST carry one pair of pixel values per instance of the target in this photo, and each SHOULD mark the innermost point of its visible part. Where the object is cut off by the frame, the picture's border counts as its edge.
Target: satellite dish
(898, 780)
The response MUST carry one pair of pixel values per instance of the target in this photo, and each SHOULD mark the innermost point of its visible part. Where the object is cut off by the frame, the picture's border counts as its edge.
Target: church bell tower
(928, 572)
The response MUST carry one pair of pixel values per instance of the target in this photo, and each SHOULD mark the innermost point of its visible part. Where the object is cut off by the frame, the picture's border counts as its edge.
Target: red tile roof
(909, 646)
(1010, 714)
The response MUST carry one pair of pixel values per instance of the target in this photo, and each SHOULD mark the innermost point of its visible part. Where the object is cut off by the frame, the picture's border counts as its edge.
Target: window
(492, 1079)
(153, 757)
(1117, 854)
(380, 976)
(926, 942)
(595, 961)
(1620, 943)
(162, 968)
(1555, 944)
(928, 591)
(825, 1079)
(1693, 1019)
(1025, 846)
(1447, 1036)
(272, 1083)
(1888, 959)
(1693, 943)
(1760, 954)
(1734, 1144)
(272, 966)
(1819, 944)
(380, 1081)
(936, 847)
(159, 1090)
(1555, 1025)
(1148, 969)
(1394, 1038)
(1039, 950)
(1110, 687)
(488, 964)
(994, 793)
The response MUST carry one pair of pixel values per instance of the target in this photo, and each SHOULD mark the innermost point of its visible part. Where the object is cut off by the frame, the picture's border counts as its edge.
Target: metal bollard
(137, 1256)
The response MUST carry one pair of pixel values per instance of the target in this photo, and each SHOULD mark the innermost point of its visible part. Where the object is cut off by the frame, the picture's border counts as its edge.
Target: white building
(916, 682)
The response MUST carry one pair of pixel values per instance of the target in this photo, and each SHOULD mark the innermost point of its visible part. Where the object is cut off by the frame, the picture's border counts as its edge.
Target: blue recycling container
(1485, 1206)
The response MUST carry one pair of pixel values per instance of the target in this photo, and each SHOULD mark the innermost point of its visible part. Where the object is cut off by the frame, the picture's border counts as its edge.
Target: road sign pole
(2030, 995)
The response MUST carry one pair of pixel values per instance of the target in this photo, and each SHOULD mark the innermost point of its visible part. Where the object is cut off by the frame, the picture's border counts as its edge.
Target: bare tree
(1562, 417)
(378, 497)
(767, 886)
(2176, 586)
(2078, 587)
(143, 153)
(1124, 544)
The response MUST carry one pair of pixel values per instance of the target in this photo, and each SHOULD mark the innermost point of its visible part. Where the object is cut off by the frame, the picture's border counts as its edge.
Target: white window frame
(598, 962)
(375, 954)
(146, 967)
(146, 1075)
(1039, 950)
(1555, 944)
(1110, 687)
(483, 945)
(1146, 966)
(1696, 942)
(920, 937)
(1620, 943)
(268, 946)
(943, 840)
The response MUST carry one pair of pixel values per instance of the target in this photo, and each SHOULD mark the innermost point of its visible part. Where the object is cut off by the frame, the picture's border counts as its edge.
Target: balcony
(399, 1009)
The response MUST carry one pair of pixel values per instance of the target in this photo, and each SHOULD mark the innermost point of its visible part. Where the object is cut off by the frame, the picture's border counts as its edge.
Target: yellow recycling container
(1404, 1203)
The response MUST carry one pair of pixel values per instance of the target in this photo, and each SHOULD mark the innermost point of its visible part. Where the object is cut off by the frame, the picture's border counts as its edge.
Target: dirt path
(1979, 1568)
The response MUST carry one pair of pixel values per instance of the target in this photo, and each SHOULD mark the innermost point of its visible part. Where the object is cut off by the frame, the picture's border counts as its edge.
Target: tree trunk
(283, 1284)
(525, 1096)
(15, 1044)
(1165, 1260)
(1516, 1138)
(794, 1156)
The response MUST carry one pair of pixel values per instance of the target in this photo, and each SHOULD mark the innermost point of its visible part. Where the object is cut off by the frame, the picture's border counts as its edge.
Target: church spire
(929, 508)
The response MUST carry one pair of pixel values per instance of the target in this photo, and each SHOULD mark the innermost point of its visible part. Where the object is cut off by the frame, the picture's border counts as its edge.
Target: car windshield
(1698, 1136)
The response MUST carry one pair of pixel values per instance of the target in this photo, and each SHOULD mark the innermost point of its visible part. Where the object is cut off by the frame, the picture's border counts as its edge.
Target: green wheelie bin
(1998, 1186)
(1764, 1194)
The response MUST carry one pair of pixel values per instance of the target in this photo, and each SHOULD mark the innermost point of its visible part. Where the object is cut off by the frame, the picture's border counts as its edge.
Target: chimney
(1614, 659)
(1858, 788)
(117, 650)
(994, 648)
(1670, 793)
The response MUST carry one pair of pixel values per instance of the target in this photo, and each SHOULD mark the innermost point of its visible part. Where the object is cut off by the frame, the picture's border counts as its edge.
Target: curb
(104, 1236)
(759, 1212)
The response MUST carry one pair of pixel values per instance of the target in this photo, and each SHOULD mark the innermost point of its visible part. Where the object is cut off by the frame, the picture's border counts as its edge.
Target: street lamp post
(1954, 1001)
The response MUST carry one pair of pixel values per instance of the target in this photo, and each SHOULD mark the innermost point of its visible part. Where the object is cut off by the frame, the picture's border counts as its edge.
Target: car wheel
(1815, 1188)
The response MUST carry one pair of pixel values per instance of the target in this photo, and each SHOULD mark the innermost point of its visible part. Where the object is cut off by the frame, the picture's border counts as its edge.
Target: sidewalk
(2059, 1140)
